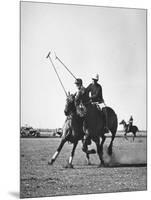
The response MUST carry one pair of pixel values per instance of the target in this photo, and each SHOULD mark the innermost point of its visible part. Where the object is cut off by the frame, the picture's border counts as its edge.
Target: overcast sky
(89, 40)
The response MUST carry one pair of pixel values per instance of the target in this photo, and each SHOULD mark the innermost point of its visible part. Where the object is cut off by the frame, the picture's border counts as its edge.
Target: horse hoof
(89, 163)
(110, 152)
(70, 166)
(92, 151)
(50, 162)
(101, 165)
(125, 138)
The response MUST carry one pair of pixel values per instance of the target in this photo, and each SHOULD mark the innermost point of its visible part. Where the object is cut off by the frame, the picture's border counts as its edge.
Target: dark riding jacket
(131, 121)
(96, 92)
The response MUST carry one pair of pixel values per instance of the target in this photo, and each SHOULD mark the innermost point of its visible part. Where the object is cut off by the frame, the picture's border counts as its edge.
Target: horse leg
(99, 152)
(87, 152)
(111, 144)
(87, 141)
(134, 135)
(125, 135)
(72, 154)
(55, 155)
(88, 159)
(102, 142)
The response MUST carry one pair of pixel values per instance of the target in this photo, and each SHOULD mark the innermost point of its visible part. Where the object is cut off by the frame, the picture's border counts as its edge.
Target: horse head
(70, 105)
(122, 122)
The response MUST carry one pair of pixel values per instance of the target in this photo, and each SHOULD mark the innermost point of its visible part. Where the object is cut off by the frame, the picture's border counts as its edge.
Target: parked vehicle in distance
(29, 132)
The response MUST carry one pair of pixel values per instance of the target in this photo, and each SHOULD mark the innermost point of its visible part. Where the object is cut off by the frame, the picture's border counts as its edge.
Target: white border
(9, 104)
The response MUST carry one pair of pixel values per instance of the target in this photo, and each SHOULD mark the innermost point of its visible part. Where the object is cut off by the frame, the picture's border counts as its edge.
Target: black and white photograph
(83, 99)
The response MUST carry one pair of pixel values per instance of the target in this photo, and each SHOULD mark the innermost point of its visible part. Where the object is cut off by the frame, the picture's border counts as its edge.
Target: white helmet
(96, 77)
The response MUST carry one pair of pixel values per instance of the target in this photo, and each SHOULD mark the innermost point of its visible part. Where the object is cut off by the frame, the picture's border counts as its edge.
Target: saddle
(97, 105)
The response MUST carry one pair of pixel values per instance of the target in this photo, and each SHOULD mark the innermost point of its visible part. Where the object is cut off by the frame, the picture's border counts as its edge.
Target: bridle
(71, 101)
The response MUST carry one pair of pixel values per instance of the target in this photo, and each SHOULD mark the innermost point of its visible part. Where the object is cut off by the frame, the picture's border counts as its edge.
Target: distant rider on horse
(95, 91)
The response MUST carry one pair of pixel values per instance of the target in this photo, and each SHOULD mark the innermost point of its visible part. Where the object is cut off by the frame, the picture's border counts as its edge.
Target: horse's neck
(76, 120)
(125, 125)
(75, 115)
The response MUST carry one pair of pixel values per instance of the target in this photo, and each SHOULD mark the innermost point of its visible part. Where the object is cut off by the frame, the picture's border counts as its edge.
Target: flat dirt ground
(126, 172)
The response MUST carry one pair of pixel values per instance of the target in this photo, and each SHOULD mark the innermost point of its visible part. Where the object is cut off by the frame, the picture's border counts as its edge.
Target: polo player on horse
(82, 99)
(85, 121)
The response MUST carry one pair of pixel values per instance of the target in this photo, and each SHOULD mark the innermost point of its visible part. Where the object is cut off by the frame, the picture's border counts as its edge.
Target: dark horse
(133, 129)
(94, 120)
(94, 127)
(72, 132)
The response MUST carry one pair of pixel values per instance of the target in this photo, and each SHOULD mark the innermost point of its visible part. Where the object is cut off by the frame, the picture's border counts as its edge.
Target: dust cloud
(125, 157)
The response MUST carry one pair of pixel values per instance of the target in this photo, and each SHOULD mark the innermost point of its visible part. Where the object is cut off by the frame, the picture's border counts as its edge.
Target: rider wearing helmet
(130, 123)
(81, 96)
(95, 92)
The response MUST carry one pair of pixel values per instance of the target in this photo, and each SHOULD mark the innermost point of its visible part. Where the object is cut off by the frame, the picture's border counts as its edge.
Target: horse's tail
(137, 130)
(112, 119)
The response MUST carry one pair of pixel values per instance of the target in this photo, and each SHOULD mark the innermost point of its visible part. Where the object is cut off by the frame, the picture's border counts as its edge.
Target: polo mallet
(48, 56)
(65, 66)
